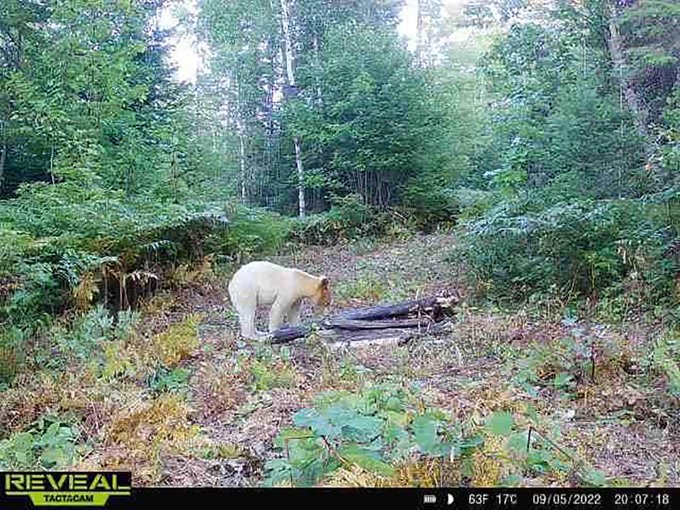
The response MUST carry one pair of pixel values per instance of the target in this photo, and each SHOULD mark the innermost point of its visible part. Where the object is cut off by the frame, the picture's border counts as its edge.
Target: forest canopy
(551, 129)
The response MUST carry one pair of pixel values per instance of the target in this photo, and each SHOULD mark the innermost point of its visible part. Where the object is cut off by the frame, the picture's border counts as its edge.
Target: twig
(557, 447)
(592, 361)
(417, 297)
(285, 444)
(333, 451)
(577, 462)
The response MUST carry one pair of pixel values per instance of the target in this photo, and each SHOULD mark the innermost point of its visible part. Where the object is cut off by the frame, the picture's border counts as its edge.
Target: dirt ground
(620, 425)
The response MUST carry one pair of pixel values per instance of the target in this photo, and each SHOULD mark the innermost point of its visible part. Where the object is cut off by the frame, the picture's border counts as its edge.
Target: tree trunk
(301, 178)
(427, 12)
(269, 116)
(242, 161)
(241, 133)
(395, 336)
(377, 335)
(290, 74)
(419, 33)
(357, 325)
(630, 96)
(426, 305)
(3, 158)
(52, 164)
(315, 45)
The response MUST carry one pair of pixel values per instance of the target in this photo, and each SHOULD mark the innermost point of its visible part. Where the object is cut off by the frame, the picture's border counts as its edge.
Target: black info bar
(115, 491)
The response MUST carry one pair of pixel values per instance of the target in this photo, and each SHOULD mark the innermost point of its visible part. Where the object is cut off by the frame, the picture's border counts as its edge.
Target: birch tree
(290, 77)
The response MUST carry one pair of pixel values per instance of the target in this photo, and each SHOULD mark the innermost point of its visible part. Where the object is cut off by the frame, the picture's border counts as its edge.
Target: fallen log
(355, 324)
(436, 305)
(289, 333)
(394, 336)
(397, 322)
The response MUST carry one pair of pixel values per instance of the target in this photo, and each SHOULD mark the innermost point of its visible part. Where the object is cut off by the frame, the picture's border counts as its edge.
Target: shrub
(50, 444)
(519, 248)
(86, 337)
(429, 204)
(666, 359)
(172, 381)
(474, 202)
(371, 430)
(348, 218)
(62, 247)
(252, 231)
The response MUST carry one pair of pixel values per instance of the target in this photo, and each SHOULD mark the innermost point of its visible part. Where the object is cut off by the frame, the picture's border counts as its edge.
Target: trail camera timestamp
(643, 499)
(650, 498)
(563, 499)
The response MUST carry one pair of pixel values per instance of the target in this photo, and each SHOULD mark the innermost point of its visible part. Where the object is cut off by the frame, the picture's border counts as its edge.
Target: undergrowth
(385, 435)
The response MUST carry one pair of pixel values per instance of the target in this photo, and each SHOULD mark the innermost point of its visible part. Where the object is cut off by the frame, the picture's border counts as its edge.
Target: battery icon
(429, 498)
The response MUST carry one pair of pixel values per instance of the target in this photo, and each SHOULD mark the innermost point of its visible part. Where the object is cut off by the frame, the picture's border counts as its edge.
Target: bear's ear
(325, 282)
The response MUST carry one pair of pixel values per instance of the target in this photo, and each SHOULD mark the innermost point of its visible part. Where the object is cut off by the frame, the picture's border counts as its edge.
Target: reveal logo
(67, 489)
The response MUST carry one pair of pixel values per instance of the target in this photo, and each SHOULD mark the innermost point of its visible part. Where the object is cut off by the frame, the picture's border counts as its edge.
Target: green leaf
(399, 419)
(367, 459)
(52, 430)
(22, 456)
(595, 477)
(339, 414)
(362, 428)
(24, 440)
(470, 442)
(511, 481)
(500, 423)
(306, 451)
(563, 380)
(278, 471)
(288, 434)
(425, 432)
(531, 413)
(394, 404)
(54, 457)
(517, 442)
(539, 460)
(319, 424)
(426, 435)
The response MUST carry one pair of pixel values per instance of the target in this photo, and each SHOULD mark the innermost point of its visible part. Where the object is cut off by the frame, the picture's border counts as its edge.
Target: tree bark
(630, 96)
(242, 163)
(427, 11)
(290, 74)
(241, 132)
(52, 164)
(3, 158)
(317, 58)
(398, 335)
(416, 316)
(358, 325)
(301, 178)
(419, 33)
(389, 335)
(430, 304)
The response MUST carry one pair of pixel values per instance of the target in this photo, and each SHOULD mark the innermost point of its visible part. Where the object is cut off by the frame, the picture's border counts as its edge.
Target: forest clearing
(484, 196)
(213, 418)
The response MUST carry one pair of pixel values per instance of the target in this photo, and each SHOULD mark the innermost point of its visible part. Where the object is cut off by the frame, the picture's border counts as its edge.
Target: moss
(178, 342)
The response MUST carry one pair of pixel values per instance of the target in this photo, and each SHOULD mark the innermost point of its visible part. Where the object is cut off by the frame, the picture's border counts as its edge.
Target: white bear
(263, 283)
